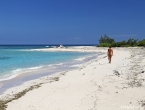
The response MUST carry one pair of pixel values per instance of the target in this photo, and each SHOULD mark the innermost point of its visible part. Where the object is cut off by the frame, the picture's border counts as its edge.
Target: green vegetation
(106, 41)
(141, 43)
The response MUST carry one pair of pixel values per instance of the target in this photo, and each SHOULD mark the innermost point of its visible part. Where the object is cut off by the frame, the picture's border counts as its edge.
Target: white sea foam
(8, 77)
(17, 72)
(76, 65)
(80, 59)
(34, 68)
(12, 74)
(83, 58)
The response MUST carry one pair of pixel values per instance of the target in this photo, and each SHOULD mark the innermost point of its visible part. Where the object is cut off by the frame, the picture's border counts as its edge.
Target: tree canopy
(106, 41)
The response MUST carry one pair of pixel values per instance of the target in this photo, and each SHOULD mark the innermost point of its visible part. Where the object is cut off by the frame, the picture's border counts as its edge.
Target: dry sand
(96, 85)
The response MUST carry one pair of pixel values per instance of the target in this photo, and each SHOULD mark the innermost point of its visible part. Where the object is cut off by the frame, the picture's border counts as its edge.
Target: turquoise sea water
(17, 59)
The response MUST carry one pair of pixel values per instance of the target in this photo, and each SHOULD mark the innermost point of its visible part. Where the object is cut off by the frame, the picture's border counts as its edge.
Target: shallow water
(19, 61)
(15, 60)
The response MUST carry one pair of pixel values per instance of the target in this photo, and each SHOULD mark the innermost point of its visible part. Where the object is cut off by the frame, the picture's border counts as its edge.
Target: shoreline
(33, 74)
(95, 85)
(22, 70)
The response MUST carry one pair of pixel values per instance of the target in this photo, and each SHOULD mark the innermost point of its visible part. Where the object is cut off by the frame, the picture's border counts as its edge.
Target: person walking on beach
(110, 54)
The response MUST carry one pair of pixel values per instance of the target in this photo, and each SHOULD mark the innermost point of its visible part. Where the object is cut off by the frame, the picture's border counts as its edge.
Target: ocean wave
(81, 59)
(34, 68)
(17, 72)
(8, 77)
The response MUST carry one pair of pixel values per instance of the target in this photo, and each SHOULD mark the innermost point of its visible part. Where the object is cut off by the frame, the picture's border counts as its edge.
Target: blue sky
(70, 21)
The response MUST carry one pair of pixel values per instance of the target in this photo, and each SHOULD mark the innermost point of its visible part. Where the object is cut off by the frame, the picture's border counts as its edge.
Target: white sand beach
(95, 85)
